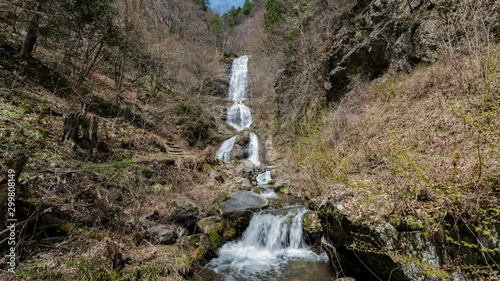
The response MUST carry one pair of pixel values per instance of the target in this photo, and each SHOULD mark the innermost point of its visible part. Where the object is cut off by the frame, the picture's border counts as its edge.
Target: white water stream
(272, 247)
(267, 245)
(224, 152)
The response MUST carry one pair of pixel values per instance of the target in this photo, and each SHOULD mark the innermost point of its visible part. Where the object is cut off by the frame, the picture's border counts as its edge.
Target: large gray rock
(185, 213)
(244, 200)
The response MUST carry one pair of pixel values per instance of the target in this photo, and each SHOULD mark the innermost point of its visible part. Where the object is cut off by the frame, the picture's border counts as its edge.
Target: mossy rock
(210, 224)
(312, 223)
(276, 204)
(284, 190)
(215, 240)
(199, 246)
(408, 223)
(235, 223)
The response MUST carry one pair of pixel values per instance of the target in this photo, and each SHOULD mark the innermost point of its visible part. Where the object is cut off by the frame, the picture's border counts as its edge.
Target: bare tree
(31, 31)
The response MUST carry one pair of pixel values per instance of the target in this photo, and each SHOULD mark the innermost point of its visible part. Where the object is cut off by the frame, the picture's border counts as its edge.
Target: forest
(260, 140)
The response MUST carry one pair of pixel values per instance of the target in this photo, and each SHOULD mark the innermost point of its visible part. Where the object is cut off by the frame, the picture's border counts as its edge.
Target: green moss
(229, 233)
(284, 190)
(214, 239)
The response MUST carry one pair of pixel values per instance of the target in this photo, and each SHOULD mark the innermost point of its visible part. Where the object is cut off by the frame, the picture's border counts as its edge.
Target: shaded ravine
(273, 246)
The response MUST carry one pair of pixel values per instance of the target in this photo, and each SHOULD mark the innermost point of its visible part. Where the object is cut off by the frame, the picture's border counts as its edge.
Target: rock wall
(403, 251)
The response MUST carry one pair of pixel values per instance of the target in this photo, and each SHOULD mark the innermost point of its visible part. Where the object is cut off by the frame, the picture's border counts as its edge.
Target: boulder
(210, 224)
(200, 243)
(185, 214)
(244, 183)
(281, 182)
(245, 169)
(162, 234)
(312, 224)
(244, 200)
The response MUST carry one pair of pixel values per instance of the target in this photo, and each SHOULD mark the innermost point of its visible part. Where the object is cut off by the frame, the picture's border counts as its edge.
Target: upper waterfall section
(239, 79)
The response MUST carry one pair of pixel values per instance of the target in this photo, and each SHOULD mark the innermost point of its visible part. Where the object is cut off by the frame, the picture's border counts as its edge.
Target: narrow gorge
(233, 140)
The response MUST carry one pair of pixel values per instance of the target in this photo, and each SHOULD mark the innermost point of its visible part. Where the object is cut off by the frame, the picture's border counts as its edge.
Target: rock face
(185, 214)
(240, 148)
(369, 38)
(243, 201)
(394, 252)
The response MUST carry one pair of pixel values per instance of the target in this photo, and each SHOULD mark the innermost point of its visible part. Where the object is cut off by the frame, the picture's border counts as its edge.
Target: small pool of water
(294, 270)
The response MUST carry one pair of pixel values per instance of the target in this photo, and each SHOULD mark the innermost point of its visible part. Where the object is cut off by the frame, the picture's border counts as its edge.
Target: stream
(273, 246)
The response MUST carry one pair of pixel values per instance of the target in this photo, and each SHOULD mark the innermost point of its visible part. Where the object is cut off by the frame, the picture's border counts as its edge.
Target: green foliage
(274, 15)
(215, 24)
(248, 7)
(232, 17)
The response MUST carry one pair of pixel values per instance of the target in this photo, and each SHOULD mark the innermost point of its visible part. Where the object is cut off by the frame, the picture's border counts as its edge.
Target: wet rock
(235, 224)
(244, 200)
(345, 279)
(243, 138)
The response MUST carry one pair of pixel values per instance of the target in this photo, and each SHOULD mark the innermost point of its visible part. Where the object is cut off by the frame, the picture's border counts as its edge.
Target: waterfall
(266, 246)
(239, 80)
(239, 116)
(224, 152)
(264, 178)
(254, 149)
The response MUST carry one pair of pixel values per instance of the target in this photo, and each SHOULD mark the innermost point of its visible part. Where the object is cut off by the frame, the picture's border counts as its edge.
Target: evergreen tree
(248, 7)
(274, 14)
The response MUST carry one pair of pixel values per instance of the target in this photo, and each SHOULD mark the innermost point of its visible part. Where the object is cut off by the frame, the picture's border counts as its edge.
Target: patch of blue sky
(222, 6)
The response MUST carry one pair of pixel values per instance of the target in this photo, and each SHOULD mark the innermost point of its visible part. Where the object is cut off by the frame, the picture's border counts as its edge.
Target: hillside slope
(387, 120)
(148, 76)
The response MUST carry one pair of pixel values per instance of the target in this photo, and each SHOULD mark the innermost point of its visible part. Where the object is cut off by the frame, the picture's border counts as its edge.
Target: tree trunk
(31, 34)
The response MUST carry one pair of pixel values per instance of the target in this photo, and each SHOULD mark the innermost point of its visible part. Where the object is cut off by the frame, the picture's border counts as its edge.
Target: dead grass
(412, 143)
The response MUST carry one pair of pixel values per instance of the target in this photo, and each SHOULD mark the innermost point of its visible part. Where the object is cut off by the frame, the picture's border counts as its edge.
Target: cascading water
(254, 149)
(224, 152)
(263, 183)
(272, 247)
(267, 245)
(264, 178)
(239, 116)
(239, 80)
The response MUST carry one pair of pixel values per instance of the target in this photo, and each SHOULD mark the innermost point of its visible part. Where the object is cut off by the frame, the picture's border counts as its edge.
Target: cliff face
(346, 42)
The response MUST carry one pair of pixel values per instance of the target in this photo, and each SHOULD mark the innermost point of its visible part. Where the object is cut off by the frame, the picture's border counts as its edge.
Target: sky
(225, 5)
